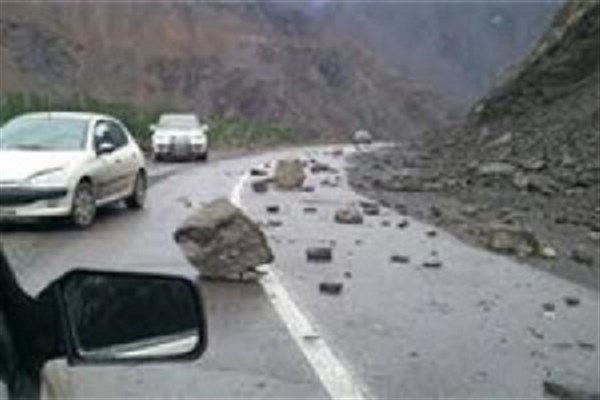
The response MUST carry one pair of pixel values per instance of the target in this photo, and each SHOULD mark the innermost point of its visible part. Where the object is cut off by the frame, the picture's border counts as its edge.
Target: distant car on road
(57, 164)
(179, 136)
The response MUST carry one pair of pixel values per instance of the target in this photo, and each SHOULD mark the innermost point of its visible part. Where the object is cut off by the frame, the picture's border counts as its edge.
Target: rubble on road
(565, 392)
(319, 254)
(572, 301)
(581, 255)
(272, 209)
(221, 242)
(261, 186)
(432, 263)
(289, 174)
(332, 288)
(349, 215)
(396, 259)
(369, 208)
(258, 172)
(512, 239)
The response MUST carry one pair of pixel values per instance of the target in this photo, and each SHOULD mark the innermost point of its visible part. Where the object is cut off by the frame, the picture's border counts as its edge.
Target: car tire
(83, 209)
(137, 199)
(157, 158)
(202, 157)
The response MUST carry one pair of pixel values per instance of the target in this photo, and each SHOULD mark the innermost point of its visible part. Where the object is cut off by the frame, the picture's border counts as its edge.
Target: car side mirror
(152, 127)
(105, 148)
(120, 317)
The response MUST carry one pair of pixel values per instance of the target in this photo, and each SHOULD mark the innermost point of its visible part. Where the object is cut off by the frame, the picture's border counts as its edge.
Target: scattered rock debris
(273, 209)
(349, 215)
(581, 255)
(432, 263)
(572, 301)
(398, 259)
(260, 186)
(319, 254)
(565, 392)
(402, 224)
(310, 210)
(331, 288)
(289, 174)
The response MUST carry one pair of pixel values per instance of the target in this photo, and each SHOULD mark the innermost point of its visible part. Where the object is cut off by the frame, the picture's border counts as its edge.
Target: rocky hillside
(525, 165)
(255, 61)
(323, 68)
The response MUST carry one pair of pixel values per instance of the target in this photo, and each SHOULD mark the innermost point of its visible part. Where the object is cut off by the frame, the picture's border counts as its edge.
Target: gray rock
(362, 137)
(496, 169)
(319, 254)
(258, 172)
(289, 174)
(403, 224)
(260, 186)
(567, 392)
(220, 241)
(348, 215)
(396, 259)
(572, 301)
(435, 211)
(331, 288)
(318, 168)
(594, 236)
(511, 239)
(432, 263)
(310, 210)
(581, 255)
(370, 208)
(272, 209)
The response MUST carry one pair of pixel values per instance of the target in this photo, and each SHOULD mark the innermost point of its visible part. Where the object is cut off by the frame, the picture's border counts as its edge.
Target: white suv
(179, 136)
(67, 164)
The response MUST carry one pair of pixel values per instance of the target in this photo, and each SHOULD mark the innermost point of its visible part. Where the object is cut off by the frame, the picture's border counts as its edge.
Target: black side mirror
(116, 317)
(105, 148)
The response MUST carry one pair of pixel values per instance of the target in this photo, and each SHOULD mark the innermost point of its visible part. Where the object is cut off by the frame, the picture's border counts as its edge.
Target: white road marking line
(333, 375)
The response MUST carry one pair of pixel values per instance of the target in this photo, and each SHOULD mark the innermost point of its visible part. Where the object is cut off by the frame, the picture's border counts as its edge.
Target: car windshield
(178, 122)
(44, 134)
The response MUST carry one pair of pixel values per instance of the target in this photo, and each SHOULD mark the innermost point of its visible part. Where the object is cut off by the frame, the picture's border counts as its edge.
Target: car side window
(119, 138)
(102, 134)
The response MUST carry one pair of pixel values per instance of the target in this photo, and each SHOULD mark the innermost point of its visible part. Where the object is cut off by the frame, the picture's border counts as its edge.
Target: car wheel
(157, 158)
(83, 210)
(202, 157)
(138, 197)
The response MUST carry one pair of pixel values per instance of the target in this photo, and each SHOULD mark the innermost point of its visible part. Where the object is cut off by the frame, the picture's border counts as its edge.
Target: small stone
(586, 346)
(581, 256)
(319, 254)
(470, 210)
(272, 209)
(396, 259)
(432, 263)
(261, 385)
(535, 333)
(348, 215)
(386, 223)
(548, 252)
(260, 186)
(564, 392)
(432, 233)
(548, 307)
(348, 275)
(435, 211)
(413, 354)
(310, 210)
(331, 288)
(258, 172)
(358, 242)
(572, 301)
(402, 224)
(594, 236)
(370, 209)
(274, 224)
(307, 189)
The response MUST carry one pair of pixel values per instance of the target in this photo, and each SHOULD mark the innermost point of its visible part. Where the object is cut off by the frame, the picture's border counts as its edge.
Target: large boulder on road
(512, 239)
(222, 242)
(289, 174)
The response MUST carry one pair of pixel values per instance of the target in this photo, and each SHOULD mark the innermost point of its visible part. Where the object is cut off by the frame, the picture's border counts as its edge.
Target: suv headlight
(49, 177)
(198, 139)
(161, 139)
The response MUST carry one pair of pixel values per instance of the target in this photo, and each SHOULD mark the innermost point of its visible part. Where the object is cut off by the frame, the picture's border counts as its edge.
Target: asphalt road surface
(479, 326)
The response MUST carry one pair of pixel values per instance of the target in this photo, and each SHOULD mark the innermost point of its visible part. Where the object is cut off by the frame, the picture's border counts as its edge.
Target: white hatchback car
(66, 164)
(179, 136)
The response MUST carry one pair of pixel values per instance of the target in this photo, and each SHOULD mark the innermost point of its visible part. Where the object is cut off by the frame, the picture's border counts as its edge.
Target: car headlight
(162, 139)
(49, 177)
(199, 139)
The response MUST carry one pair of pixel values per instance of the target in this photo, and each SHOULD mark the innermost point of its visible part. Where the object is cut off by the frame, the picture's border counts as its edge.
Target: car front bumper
(176, 149)
(26, 202)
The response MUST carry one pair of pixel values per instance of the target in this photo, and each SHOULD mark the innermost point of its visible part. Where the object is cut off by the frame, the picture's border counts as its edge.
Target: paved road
(474, 328)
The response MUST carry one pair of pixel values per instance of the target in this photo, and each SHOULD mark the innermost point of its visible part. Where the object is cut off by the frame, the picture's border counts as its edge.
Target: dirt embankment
(522, 174)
